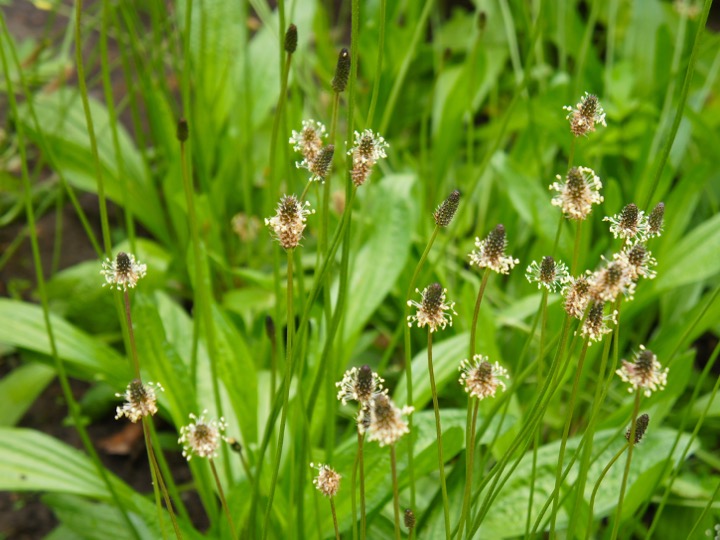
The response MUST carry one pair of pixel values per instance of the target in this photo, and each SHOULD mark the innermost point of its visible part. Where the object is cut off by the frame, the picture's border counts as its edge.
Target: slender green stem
(631, 443)
(576, 249)
(596, 487)
(334, 516)
(221, 493)
(396, 496)
(438, 429)
(353, 490)
(476, 312)
(378, 63)
(131, 335)
(473, 405)
(361, 464)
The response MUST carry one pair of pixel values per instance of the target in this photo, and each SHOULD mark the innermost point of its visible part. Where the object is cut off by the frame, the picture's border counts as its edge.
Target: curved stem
(596, 487)
(623, 486)
(221, 493)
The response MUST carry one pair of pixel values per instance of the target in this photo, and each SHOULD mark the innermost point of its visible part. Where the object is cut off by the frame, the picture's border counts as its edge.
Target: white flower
(490, 252)
(432, 311)
(369, 147)
(386, 423)
(480, 378)
(644, 372)
(577, 194)
(288, 223)
(202, 437)
(140, 400)
(327, 481)
(123, 272)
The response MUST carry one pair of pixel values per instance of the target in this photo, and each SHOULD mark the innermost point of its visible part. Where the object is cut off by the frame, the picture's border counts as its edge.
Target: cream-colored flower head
(595, 325)
(432, 311)
(629, 223)
(585, 115)
(327, 480)
(288, 223)
(644, 372)
(490, 252)
(140, 400)
(577, 193)
(549, 274)
(607, 283)
(123, 272)
(369, 148)
(480, 378)
(577, 296)
(386, 424)
(320, 166)
(359, 384)
(638, 261)
(202, 437)
(309, 140)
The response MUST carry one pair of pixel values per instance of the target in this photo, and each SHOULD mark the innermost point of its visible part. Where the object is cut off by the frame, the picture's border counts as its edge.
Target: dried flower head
(320, 166)
(641, 425)
(446, 211)
(432, 311)
(409, 519)
(585, 115)
(595, 325)
(369, 147)
(202, 437)
(123, 272)
(655, 220)
(309, 140)
(608, 282)
(481, 378)
(140, 400)
(386, 421)
(359, 384)
(577, 296)
(577, 194)
(342, 72)
(548, 273)
(638, 260)
(629, 223)
(288, 223)
(644, 372)
(490, 252)
(291, 39)
(327, 481)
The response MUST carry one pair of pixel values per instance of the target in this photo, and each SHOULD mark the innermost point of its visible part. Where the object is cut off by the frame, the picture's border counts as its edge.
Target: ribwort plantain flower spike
(655, 220)
(409, 519)
(202, 437)
(291, 39)
(432, 310)
(577, 194)
(490, 252)
(183, 132)
(369, 148)
(359, 384)
(629, 223)
(386, 423)
(480, 378)
(124, 272)
(577, 296)
(585, 115)
(446, 211)
(140, 400)
(342, 72)
(638, 260)
(607, 283)
(320, 166)
(644, 372)
(548, 274)
(309, 140)
(327, 480)
(288, 224)
(641, 425)
(595, 325)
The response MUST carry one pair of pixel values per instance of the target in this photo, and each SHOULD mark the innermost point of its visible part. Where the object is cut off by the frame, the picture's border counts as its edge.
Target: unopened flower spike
(320, 166)
(607, 283)
(291, 39)
(577, 193)
(577, 296)
(288, 224)
(309, 140)
(641, 425)
(368, 149)
(359, 384)
(140, 400)
(638, 260)
(409, 519)
(386, 423)
(595, 325)
(655, 220)
(549, 273)
(327, 480)
(585, 115)
(432, 310)
(124, 272)
(446, 211)
(202, 437)
(644, 372)
(629, 223)
(490, 252)
(480, 378)
(342, 72)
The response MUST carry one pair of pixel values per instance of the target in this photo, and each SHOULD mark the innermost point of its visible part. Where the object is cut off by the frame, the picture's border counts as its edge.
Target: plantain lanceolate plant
(171, 145)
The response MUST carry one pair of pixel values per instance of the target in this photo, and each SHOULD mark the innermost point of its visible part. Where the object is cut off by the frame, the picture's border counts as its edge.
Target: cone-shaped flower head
(432, 311)
(549, 274)
(369, 147)
(309, 140)
(342, 72)
(446, 211)
(359, 384)
(641, 425)
(409, 519)
(595, 325)
(638, 260)
(291, 39)
(644, 372)
(140, 400)
(608, 282)
(577, 296)
(577, 194)
(327, 480)
(585, 115)
(655, 220)
(629, 223)
(480, 378)
(490, 252)
(202, 437)
(123, 272)
(288, 224)
(320, 166)
(386, 421)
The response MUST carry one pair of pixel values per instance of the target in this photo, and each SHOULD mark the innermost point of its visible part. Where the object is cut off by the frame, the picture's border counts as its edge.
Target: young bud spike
(182, 130)
(446, 211)
(409, 519)
(342, 72)
(291, 39)
(641, 425)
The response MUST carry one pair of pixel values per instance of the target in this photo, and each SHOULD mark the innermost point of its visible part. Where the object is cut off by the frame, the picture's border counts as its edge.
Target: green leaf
(20, 388)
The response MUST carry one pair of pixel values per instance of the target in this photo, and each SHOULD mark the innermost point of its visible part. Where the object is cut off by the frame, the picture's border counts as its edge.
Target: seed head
(386, 424)
(480, 378)
(641, 425)
(369, 147)
(320, 166)
(432, 311)
(577, 296)
(595, 325)
(123, 272)
(611, 280)
(288, 224)
(446, 211)
(309, 140)
(202, 437)
(548, 274)
(359, 384)
(140, 400)
(577, 194)
(490, 252)
(409, 519)
(327, 481)
(644, 372)
(291, 39)
(629, 223)
(585, 115)
(638, 260)
(655, 221)
(342, 72)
